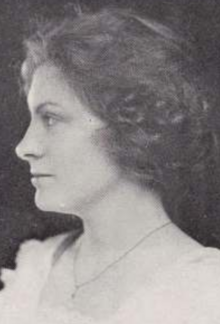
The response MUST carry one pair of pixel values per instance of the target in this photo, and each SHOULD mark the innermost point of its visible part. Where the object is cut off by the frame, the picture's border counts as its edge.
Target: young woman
(117, 121)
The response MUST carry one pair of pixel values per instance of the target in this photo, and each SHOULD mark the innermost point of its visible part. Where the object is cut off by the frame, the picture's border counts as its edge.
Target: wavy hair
(140, 78)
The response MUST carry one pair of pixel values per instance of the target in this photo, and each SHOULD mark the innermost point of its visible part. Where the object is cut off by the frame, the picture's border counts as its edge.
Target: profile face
(69, 168)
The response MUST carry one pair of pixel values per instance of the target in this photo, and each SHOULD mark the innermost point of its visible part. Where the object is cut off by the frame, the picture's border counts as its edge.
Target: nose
(31, 146)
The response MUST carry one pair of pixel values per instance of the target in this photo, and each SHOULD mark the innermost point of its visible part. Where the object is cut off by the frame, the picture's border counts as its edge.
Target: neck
(124, 215)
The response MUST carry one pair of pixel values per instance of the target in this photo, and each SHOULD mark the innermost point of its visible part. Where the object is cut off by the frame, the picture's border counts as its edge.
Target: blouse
(186, 292)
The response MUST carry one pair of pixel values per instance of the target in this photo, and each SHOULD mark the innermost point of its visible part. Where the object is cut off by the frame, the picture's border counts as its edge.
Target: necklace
(112, 264)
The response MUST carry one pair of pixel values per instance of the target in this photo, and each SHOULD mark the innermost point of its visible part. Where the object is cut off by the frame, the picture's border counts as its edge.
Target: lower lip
(39, 179)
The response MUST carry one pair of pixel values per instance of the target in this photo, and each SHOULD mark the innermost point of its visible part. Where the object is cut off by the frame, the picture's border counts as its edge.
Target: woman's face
(69, 168)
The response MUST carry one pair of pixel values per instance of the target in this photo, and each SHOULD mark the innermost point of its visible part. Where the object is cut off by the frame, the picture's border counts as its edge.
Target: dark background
(198, 20)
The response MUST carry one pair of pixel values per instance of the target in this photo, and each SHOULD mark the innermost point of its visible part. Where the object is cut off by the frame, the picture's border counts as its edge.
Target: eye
(49, 119)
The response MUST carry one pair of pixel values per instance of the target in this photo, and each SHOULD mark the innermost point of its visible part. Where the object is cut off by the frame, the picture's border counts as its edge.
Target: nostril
(31, 145)
(27, 150)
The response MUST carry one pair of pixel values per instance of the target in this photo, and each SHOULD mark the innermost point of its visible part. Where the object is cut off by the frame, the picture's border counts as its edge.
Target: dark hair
(140, 79)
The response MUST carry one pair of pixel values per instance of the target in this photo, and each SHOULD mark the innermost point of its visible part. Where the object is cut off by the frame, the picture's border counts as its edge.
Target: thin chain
(111, 265)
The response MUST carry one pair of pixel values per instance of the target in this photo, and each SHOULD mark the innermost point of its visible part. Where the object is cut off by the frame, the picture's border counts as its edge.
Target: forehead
(50, 88)
(49, 85)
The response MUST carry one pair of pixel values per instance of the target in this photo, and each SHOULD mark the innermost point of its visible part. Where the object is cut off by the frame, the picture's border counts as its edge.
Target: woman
(117, 124)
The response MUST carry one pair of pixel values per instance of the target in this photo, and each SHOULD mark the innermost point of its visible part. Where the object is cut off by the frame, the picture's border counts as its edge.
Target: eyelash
(49, 119)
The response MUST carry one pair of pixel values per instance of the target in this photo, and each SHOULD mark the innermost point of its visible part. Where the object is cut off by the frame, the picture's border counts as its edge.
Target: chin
(58, 201)
(52, 203)
(47, 203)
(44, 206)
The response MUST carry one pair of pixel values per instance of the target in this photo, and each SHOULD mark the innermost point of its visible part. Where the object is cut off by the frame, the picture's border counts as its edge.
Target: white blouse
(187, 292)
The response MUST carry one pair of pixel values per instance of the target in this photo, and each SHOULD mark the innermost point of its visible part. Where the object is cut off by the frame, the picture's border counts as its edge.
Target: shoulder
(23, 286)
(34, 251)
(33, 257)
(186, 292)
(192, 287)
(194, 273)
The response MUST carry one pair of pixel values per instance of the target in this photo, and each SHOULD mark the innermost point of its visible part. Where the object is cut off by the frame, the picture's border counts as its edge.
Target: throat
(114, 282)
(90, 267)
(120, 219)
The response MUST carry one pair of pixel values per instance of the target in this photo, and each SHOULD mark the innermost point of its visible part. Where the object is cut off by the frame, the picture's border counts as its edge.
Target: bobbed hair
(140, 79)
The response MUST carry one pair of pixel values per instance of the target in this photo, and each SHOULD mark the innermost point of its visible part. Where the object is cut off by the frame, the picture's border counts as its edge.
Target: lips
(40, 175)
(37, 178)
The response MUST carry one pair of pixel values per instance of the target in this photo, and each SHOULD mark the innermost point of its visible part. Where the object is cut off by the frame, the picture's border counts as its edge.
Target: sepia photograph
(110, 162)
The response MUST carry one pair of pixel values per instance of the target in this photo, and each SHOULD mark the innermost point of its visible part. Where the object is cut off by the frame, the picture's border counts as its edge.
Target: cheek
(88, 166)
(82, 154)
(72, 158)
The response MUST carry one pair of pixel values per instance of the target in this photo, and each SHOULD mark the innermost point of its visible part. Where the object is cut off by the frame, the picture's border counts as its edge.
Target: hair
(140, 78)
